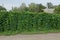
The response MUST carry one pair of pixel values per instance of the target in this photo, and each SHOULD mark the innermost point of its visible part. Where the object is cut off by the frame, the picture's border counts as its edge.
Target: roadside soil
(51, 36)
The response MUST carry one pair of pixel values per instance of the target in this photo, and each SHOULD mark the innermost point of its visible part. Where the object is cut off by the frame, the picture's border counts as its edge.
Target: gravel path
(51, 36)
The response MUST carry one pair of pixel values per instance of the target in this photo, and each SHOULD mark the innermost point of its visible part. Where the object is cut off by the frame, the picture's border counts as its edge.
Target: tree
(49, 5)
(36, 7)
(40, 7)
(2, 8)
(57, 9)
(32, 7)
(15, 9)
(22, 8)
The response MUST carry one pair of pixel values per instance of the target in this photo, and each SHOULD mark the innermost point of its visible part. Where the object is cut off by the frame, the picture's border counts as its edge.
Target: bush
(29, 21)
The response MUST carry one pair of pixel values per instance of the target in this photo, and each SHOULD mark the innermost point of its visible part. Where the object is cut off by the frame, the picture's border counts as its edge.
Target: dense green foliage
(27, 22)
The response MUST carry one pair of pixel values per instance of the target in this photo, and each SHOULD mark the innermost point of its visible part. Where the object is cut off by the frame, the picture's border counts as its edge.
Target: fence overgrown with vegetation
(22, 22)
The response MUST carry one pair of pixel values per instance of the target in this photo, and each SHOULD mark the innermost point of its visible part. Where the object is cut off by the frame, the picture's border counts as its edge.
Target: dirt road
(51, 36)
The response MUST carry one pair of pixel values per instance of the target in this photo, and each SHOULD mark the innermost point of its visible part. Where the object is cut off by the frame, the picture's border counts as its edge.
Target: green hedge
(22, 22)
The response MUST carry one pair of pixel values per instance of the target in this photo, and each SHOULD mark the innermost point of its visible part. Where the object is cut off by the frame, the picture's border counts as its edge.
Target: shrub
(29, 21)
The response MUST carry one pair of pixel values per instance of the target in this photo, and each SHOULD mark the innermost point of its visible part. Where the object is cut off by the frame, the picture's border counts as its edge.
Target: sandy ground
(51, 36)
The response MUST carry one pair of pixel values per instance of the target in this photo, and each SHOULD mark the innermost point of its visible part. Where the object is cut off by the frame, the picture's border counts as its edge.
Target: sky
(16, 3)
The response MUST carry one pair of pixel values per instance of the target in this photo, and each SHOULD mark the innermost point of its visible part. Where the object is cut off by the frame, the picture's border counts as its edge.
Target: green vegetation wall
(21, 22)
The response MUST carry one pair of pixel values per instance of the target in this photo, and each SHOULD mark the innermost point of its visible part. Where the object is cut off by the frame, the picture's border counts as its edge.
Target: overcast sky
(8, 3)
